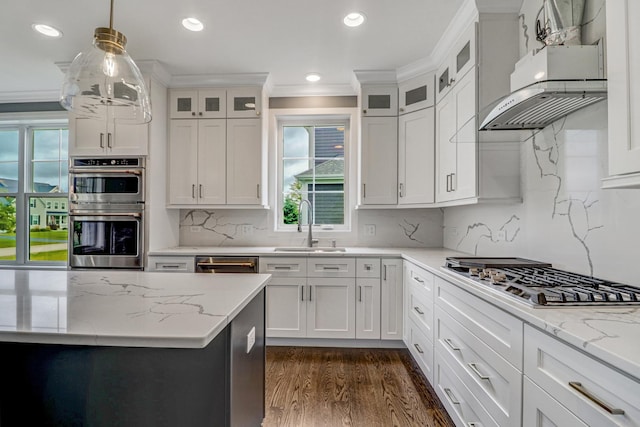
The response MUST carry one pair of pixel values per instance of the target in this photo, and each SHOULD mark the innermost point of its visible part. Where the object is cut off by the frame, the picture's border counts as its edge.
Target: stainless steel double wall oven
(106, 211)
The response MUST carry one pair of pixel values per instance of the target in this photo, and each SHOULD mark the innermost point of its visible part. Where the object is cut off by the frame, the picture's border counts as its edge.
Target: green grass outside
(42, 256)
(60, 235)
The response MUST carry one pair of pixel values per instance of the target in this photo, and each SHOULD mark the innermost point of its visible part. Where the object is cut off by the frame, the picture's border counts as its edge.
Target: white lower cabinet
(540, 409)
(178, 264)
(494, 382)
(368, 308)
(391, 308)
(331, 308)
(286, 307)
(595, 393)
(421, 347)
(461, 405)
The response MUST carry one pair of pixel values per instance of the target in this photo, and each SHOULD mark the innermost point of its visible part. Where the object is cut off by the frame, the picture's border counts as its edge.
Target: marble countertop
(121, 308)
(611, 334)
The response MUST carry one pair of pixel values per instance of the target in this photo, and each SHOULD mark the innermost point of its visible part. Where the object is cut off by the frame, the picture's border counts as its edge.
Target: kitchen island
(131, 348)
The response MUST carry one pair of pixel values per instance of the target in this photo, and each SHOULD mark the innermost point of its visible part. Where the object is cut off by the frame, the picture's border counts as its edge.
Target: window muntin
(313, 168)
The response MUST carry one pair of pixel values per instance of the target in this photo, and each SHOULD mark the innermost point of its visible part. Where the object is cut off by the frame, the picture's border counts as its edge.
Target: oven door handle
(107, 171)
(106, 214)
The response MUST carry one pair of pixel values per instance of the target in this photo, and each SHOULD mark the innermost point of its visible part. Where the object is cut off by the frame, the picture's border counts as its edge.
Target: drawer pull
(174, 266)
(419, 280)
(418, 348)
(282, 267)
(451, 396)
(476, 371)
(474, 424)
(451, 344)
(417, 309)
(302, 288)
(586, 393)
(329, 267)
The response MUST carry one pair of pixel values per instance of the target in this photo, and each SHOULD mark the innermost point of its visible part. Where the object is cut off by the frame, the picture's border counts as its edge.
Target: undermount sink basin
(309, 250)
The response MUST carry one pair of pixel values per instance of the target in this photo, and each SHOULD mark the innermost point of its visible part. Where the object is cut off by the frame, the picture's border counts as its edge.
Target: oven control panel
(107, 162)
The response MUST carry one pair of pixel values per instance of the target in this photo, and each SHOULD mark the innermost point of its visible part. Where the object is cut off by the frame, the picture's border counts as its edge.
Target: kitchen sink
(304, 249)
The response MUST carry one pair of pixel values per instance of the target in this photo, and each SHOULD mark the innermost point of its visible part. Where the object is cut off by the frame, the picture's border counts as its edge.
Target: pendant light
(104, 82)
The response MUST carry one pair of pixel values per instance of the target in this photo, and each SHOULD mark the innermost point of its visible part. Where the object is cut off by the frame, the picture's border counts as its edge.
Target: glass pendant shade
(104, 82)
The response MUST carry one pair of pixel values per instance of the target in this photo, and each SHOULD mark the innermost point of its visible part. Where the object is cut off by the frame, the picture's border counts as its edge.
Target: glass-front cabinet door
(202, 104)
(244, 102)
(379, 101)
(416, 93)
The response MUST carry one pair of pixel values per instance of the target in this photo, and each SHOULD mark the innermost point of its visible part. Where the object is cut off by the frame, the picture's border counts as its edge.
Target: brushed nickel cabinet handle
(476, 371)
(302, 288)
(200, 191)
(310, 293)
(258, 191)
(401, 189)
(109, 140)
(451, 396)
(451, 344)
(417, 309)
(384, 272)
(419, 280)
(101, 140)
(193, 191)
(453, 186)
(360, 297)
(418, 348)
(282, 267)
(364, 191)
(586, 393)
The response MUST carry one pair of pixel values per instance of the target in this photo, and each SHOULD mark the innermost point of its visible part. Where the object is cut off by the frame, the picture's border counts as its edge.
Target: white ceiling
(285, 38)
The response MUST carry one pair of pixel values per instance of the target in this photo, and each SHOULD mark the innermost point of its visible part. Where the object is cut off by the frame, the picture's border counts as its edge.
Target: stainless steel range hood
(548, 85)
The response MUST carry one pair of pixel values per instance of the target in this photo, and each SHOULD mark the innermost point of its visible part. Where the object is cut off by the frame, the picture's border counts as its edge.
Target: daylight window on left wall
(34, 193)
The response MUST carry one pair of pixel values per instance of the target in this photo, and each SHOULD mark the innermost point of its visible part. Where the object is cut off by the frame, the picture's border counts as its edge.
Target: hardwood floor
(308, 386)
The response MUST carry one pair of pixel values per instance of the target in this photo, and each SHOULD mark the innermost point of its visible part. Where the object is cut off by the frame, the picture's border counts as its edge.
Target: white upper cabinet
(244, 102)
(474, 166)
(416, 157)
(379, 156)
(460, 61)
(192, 103)
(379, 101)
(88, 137)
(416, 94)
(623, 69)
(216, 162)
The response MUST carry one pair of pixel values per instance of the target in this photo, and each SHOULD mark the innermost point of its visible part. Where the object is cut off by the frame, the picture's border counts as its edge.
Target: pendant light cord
(111, 16)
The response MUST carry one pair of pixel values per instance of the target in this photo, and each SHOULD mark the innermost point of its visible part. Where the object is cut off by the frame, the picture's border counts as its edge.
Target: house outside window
(312, 167)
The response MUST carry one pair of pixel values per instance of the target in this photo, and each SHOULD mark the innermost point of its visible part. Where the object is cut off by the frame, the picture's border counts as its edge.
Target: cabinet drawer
(283, 267)
(579, 381)
(501, 331)
(181, 264)
(493, 381)
(331, 267)
(368, 267)
(420, 309)
(542, 409)
(462, 406)
(421, 277)
(421, 348)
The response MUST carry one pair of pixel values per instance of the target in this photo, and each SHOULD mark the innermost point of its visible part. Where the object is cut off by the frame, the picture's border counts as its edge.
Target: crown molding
(376, 76)
(499, 6)
(155, 70)
(239, 79)
(313, 90)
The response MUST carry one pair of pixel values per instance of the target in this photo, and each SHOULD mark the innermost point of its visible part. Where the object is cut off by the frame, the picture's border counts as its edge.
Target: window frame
(313, 120)
(26, 124)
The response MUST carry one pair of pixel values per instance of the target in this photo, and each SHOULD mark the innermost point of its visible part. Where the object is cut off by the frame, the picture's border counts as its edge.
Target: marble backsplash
(565, 218)
(393, 228)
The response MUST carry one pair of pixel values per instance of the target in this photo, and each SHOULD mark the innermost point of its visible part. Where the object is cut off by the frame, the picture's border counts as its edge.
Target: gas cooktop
(540, 285)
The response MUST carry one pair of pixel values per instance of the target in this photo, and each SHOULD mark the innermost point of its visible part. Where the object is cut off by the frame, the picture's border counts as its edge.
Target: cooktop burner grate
(541, 285)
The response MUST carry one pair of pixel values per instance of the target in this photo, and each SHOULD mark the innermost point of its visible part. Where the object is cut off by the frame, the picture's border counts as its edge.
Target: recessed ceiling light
(354, 19)
(312, 77)
(47, 30)
(192, 24)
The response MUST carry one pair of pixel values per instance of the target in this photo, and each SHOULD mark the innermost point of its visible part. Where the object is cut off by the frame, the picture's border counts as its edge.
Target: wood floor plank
(330, 387)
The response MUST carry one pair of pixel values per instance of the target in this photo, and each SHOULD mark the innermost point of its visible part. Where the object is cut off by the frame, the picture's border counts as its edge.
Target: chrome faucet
(310, 239)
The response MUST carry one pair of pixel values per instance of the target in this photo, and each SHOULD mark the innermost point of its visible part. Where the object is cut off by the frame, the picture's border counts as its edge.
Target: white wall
(565, 219)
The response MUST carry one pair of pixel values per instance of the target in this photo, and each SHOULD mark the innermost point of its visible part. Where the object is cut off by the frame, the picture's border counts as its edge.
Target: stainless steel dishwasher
(246, 361)
(226, 264)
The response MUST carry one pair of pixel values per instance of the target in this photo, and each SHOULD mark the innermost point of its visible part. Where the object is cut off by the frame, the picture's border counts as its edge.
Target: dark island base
(67, 385)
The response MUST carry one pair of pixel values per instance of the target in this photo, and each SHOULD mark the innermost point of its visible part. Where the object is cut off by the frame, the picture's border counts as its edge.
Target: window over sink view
(313, 169)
